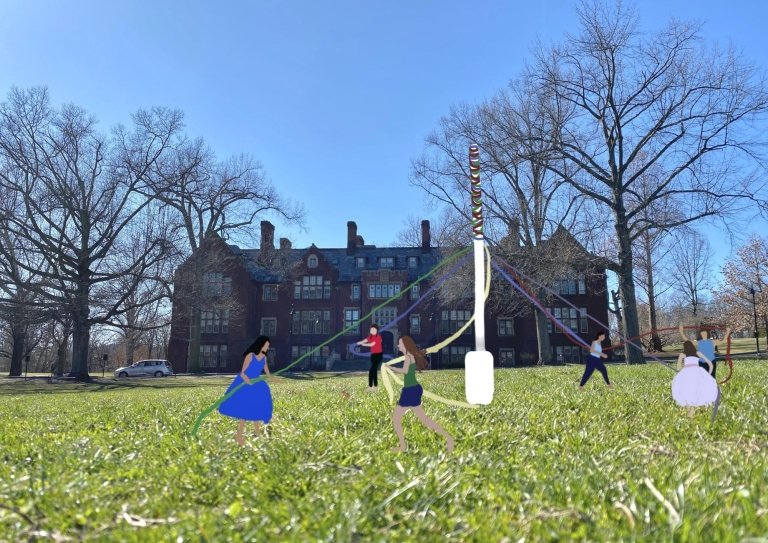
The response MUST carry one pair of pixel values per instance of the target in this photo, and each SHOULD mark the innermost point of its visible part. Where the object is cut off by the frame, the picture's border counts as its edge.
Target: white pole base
(478, 377)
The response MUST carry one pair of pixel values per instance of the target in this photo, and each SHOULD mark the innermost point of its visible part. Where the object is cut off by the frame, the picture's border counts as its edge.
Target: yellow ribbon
(388, 374)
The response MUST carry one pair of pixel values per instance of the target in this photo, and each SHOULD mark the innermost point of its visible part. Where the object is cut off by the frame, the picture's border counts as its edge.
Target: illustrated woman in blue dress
(410, 397)
(254, 401)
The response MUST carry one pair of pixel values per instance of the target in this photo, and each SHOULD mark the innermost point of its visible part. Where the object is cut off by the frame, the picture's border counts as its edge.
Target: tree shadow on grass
(19, 387)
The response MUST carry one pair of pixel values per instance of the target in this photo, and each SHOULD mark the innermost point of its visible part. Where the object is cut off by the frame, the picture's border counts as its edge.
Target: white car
(145, 368)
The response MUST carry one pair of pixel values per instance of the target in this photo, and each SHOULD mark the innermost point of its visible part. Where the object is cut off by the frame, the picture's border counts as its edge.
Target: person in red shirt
(374, 342)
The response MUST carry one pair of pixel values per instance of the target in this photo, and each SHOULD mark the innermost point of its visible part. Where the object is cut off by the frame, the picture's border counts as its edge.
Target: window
(312, 261)
(415, 324)
(360, 262)
(456, 354)
(215, 284)
(269, 327)
(413, 261)
(506, 327)
(569, 316)
(386, 262)
(311, 322)
(351, 318)
(312, 287)
(568, 354)
(214, 321)
(583, 321)
(383, 290)
(454, 319)
(506, 357)
(316, 358)
(356, 291)
(213, 356)
(415, 291)
(269, 293)
(384, 316)
(571, 286)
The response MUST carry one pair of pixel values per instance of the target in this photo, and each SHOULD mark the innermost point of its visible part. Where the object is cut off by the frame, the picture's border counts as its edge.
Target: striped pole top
(477, 203)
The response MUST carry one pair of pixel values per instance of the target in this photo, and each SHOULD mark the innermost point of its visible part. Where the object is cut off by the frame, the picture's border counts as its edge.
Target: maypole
(478, 364)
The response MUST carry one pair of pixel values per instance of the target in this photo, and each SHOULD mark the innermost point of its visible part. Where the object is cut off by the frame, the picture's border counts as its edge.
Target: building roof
(345, 264)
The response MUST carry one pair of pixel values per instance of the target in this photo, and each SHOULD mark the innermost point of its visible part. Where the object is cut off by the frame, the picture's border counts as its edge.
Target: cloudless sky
(333, 97)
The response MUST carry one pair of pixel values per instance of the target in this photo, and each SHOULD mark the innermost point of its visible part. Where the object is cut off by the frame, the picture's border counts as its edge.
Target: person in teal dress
(252, 402)
(410, 397)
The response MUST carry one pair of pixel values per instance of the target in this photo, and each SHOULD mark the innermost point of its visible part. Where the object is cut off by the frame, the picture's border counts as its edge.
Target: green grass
(114, 461)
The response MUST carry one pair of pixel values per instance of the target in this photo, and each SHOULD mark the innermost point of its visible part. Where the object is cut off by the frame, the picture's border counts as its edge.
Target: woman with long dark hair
(694, 386)
(594, 361)
(410, 397)
(254, 401)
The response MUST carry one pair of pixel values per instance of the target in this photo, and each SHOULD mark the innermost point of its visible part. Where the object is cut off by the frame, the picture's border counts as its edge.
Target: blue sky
(333, 97)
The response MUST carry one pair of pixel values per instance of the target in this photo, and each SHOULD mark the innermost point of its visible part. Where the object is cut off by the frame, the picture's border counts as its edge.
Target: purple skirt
(411, 396)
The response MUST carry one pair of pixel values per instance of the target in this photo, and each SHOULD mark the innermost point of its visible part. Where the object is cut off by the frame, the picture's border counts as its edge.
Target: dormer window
(312, 261)
(386, 262)
(413, 261)
(360, 262)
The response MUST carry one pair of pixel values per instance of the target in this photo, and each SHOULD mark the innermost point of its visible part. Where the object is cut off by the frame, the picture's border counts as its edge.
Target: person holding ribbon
(410, 397)
(252, 402)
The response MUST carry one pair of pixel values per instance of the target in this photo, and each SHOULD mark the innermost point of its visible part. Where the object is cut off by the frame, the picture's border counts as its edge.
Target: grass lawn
(113, 461)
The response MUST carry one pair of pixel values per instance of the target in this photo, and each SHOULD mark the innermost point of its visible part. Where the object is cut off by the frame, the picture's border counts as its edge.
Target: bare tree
(746, 272)
(663, 101)
(79, 194)
(525, 201)
(691, 267)
(210, 197)
(651, 248)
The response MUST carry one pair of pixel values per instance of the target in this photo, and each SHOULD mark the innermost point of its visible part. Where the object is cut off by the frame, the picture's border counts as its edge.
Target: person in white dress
(693, 386)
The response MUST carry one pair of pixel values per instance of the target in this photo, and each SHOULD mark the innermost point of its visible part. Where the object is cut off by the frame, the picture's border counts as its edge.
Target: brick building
(302, 297)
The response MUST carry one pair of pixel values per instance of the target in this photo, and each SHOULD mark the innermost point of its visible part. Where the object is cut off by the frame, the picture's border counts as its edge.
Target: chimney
(267, 236)
(360, 241)
(351, 237)
(285, 244)
(426, 239)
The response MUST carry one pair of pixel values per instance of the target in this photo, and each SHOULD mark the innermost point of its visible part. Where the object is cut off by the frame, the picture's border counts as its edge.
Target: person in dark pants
(374, 342)
(594, 362)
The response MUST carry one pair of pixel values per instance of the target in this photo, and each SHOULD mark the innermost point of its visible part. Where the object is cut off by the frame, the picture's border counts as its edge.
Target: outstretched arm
(680, 361)
(682, 333)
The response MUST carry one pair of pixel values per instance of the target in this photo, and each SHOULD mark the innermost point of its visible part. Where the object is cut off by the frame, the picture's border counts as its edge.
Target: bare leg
(256, 428)
(397, 422)
(239, 434)
(432, 425)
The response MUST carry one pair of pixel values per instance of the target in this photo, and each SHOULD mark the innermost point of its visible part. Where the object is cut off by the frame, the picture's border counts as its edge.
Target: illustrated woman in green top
(410, 397)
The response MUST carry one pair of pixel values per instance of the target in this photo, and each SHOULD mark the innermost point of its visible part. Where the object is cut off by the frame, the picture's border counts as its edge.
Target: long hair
(412, 349)
(689, 348)
(256, 346)
(599, 333)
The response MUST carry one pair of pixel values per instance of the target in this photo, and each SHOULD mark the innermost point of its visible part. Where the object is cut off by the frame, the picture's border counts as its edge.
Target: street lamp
(754, 308)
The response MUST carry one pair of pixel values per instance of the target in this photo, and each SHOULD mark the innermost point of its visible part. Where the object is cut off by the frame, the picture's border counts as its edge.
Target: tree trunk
(130, 346)
(61, 352)
(17, 353)
(655, 339)
(542, 337)
(81, 331)
(627, 283)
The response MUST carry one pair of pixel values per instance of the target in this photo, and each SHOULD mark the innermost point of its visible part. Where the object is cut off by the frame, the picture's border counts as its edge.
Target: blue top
(707, 348)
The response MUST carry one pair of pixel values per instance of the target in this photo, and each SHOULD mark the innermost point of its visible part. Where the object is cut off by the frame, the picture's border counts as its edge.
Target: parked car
(142, 368)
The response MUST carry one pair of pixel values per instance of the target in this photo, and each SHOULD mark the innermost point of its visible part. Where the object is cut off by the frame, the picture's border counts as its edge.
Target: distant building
(328, 290)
